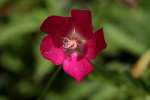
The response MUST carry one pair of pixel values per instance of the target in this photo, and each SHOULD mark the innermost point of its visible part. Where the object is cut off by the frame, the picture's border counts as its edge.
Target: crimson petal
(78, 69)
(51, 52)
(95, 44)
(58, 27)
(82, 22)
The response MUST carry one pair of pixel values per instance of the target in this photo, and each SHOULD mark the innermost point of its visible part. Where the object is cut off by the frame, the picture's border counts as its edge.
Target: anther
(69, 43)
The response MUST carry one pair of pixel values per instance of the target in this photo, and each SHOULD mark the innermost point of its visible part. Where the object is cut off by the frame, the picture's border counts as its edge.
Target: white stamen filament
(69, 44)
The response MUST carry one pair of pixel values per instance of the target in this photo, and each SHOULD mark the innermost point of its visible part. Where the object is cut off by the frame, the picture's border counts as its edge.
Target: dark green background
(24, 73)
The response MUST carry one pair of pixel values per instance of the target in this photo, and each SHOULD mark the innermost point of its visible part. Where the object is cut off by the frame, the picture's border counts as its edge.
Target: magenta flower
(70, 42)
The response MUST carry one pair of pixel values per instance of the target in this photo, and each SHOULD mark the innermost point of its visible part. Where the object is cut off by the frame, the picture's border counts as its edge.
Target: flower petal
(82, 22)
(54, 24)
(78, 69)
(58, 27)
(95, 45)
(50, 52)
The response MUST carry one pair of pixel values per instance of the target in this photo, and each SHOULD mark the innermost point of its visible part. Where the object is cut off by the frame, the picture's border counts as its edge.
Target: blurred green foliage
(24, 73)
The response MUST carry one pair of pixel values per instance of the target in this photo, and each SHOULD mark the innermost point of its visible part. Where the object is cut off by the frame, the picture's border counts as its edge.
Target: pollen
(74, 41)
(70, 43)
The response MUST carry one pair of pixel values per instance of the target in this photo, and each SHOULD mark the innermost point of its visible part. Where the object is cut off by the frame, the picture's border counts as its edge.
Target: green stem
(49, 84)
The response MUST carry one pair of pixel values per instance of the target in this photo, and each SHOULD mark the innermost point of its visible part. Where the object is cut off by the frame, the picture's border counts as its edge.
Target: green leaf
(120, 38)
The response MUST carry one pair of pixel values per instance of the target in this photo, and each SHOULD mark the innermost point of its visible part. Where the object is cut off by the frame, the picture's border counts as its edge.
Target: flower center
(69, 43)
(74, 42)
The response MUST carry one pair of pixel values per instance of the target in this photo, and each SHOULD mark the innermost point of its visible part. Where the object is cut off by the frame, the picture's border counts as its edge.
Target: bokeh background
(24, 73)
